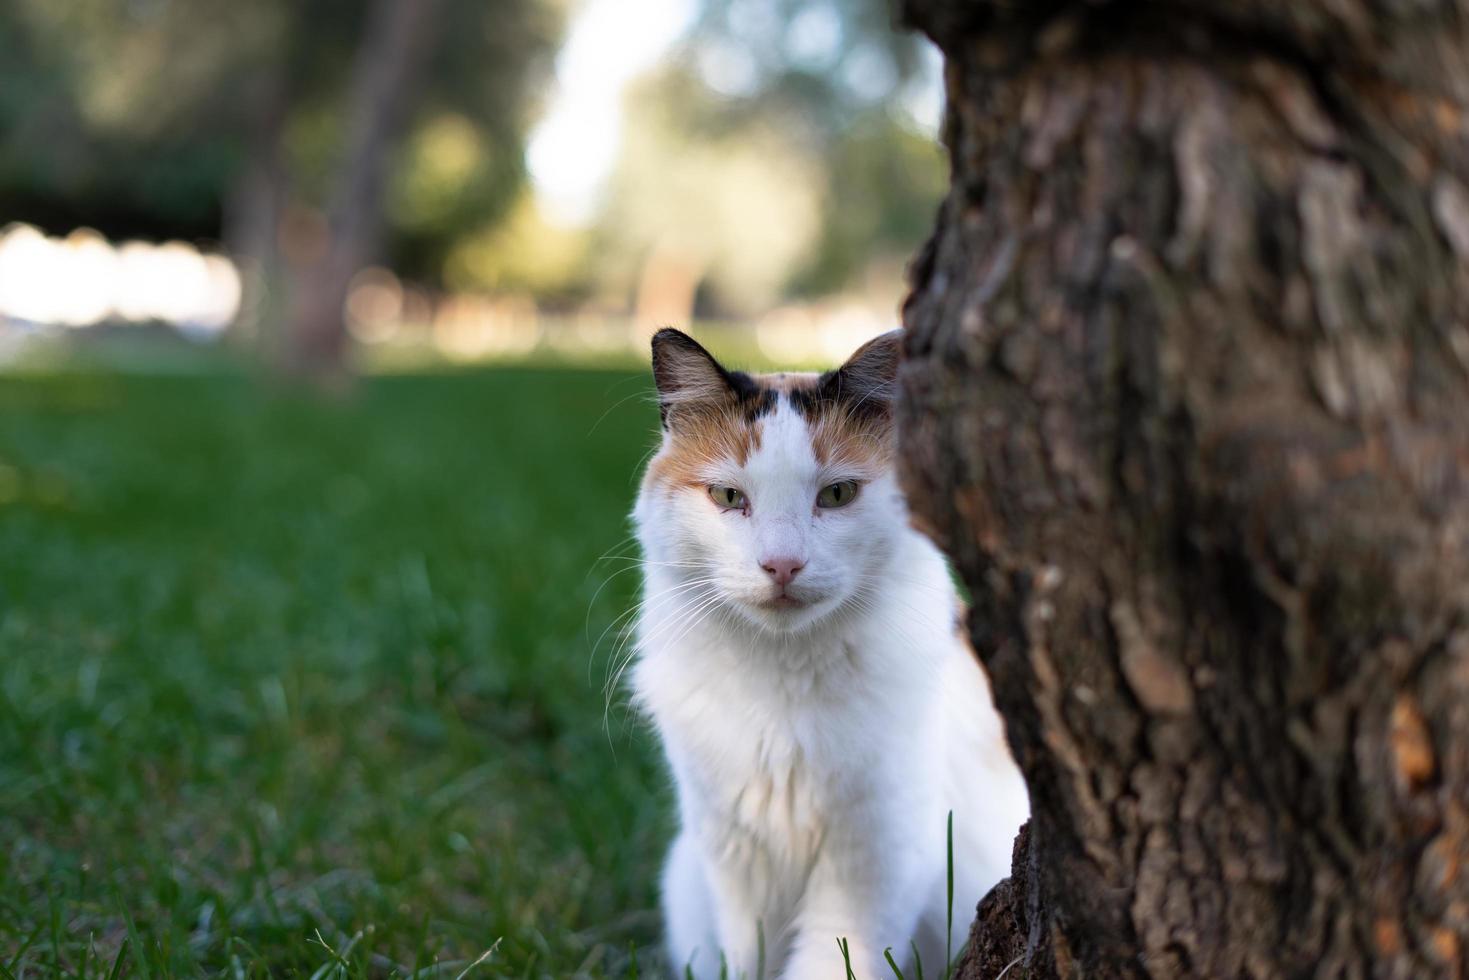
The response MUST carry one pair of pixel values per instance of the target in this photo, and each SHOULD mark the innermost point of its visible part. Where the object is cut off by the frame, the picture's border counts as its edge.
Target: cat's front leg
(740, 890)
(827, 942)
(863, 901)
(821, 953)
(692, 939)
(841, 929)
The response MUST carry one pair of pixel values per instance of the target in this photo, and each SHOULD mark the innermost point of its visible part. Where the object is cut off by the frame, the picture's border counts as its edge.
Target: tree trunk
(253, 214)
(396, 39)
(1186, 399)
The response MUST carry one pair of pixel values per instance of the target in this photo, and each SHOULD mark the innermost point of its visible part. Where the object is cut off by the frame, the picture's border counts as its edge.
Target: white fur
(817, 752)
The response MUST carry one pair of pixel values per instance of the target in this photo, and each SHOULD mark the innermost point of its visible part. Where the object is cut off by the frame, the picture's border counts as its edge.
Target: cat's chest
(762, 791)
(763, 759)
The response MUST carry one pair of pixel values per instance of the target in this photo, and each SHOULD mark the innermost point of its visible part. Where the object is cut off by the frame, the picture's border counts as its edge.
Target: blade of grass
(483, 957)
(421, 955)
(29, 940)
(887, 954)
(336, 964)
(139, 953)
(949, 932)
(256, 957)
(53, 913)
(917, 961)
(846, 957)
(122, 952)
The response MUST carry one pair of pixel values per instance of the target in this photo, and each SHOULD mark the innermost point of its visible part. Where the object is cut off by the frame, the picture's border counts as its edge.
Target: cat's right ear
(685, 372)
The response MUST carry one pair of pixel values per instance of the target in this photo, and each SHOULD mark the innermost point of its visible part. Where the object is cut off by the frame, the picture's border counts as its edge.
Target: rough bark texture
(1187, 400)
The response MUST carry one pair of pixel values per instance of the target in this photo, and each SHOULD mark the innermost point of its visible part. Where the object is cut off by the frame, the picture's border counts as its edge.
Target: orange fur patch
(700, 441)
(861, 442)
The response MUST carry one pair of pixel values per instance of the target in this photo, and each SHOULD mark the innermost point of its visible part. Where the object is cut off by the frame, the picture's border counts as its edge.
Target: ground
(292, 687)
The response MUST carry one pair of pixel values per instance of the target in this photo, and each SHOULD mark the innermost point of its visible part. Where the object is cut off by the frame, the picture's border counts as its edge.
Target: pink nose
(782, 570)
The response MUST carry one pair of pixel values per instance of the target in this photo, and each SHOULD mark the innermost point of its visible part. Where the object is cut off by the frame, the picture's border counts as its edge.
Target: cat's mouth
(783, 601)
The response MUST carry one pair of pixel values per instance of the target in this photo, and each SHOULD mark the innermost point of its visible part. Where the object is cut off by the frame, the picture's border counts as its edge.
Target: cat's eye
(727, 497)
(838, 494)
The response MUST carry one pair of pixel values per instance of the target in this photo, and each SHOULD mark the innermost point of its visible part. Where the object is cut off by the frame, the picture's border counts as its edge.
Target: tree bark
(1186, 398)
(392, 52)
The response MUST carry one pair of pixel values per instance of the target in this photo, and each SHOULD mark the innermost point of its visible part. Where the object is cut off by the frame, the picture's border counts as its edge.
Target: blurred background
(322, 402)
(336, 181)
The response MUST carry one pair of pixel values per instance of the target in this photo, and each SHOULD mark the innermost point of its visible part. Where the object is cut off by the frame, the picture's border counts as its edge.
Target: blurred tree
(773, 156)
(385, 74)
(524, 254)
(213, 118)
(831, 60)
(432, 153)
(116, 115)
(883, 180)
(739, 202)
(838, 74)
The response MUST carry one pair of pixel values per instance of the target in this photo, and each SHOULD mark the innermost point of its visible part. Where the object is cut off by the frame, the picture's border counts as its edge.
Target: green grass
(291, 688)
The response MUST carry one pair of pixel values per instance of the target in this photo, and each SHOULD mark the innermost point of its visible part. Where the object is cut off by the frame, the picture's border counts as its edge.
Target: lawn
(293, 688)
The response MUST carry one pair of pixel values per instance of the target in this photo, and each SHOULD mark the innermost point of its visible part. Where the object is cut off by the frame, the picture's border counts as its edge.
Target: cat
(798, 653)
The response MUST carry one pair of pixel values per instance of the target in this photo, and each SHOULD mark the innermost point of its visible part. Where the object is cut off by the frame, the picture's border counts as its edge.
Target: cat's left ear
(686, 373)
(871, 374)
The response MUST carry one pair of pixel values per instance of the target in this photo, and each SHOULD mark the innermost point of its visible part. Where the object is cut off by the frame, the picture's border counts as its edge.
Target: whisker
(623, 655)
(644, 395)
(645, 604)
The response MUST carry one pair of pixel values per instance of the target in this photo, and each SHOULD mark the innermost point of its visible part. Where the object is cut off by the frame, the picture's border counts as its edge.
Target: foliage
(491, 63)
(834, 59)
(114, 115)
(524, 253)
(273, 668)
(138, 118)
(884, 182)
(739, 201)
(773, 155)
(770, 150)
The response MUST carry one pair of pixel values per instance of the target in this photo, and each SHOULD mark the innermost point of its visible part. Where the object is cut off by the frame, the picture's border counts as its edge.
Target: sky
(610, 43)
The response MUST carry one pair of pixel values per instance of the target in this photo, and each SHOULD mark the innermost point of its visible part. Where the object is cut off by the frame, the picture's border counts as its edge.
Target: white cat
(799, 654)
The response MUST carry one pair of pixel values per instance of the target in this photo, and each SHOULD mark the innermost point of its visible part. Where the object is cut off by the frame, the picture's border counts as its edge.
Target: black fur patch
(834, 388)
(755, 400)
(808, 399)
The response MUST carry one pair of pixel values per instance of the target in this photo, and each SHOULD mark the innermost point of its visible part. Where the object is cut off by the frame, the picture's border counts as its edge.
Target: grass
(302, 689)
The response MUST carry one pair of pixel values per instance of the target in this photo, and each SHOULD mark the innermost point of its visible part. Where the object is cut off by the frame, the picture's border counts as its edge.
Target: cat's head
(775, 491)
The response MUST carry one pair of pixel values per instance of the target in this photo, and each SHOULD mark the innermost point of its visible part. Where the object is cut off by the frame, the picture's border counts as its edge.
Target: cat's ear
(871, 373)
(685, 372)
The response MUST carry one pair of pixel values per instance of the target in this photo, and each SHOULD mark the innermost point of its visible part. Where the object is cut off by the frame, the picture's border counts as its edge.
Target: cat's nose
(782, 570)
